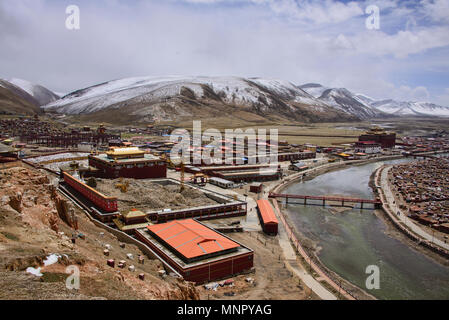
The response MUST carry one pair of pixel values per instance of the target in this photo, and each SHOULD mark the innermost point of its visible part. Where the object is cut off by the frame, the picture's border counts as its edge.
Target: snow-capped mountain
(173, 96)
(153, 89)
(314, 89)
(14, 100)
(39, 93)
(367, 107)
(364, 98)
(402, 108)
(342, 99)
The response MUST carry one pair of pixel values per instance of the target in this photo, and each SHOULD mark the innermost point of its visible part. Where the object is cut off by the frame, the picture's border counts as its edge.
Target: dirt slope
(32, 228)
(15, 101)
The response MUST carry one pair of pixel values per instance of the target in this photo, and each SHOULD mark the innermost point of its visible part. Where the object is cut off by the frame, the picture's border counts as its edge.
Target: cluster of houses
(424, 187)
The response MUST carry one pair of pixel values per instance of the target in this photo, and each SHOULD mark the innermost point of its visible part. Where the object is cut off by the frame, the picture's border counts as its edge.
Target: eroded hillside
(36, 222)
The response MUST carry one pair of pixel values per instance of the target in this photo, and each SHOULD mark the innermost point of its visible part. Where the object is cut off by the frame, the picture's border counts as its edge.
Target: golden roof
(133, 214)
(124, 151)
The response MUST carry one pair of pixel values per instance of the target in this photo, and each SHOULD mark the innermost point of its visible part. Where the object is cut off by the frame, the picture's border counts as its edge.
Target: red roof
(191, 239)
(266, 211)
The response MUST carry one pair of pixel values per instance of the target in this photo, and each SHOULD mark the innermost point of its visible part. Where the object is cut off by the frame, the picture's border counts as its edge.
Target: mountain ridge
(173, 98)
(386, 106)
(153, 96)
(41, 94)
(15, 101)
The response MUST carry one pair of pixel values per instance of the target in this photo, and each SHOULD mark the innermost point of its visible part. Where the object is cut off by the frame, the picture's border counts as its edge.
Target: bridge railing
(297, 196)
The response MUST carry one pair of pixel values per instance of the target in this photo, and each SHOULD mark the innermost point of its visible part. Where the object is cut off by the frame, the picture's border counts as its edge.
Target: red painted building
(267, 218)
(385, 139)
(197, 252)
(107, 204)
(128, 163)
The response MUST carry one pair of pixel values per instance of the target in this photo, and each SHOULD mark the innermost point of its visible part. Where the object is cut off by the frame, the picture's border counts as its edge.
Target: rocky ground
(271, 281)
(147, 195)
(36, 222)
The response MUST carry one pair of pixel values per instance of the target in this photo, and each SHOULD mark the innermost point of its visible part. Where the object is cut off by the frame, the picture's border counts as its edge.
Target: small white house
(222, 183)
(368, 147)
(85, 146)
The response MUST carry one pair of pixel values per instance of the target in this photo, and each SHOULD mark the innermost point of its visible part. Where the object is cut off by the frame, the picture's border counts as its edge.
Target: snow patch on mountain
(39, 93)
(343, 99)
(410, 108)
(314, 89)
(231, 90)
(150, 95)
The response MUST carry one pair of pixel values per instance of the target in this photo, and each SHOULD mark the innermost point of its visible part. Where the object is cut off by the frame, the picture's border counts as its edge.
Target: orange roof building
(197, 252)
(191, 240)
(267, 218)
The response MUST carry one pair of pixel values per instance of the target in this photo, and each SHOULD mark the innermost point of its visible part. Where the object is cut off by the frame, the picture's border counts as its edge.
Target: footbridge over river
(376, 202)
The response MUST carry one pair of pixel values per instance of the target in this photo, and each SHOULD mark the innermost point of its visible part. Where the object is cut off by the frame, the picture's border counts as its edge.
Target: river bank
(315, 249)
(412, 231)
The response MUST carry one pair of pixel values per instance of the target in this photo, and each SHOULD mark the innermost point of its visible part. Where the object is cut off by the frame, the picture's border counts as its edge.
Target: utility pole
(182, 177)
(339, 289)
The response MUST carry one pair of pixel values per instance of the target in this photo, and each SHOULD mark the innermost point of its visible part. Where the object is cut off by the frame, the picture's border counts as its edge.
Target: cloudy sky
(300, 41)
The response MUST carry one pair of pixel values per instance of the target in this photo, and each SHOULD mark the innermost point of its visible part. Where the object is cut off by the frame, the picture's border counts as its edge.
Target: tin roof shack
(131, 220)
(222, 183)
(299, 166)
(199, 253)
(267, 218)
(128, 163)
(256, 187)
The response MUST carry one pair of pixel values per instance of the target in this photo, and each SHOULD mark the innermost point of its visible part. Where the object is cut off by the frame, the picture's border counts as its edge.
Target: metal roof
(5, 149)
(266, 211)
(124, 151)
(191, 239)
(220, 180)
(134, 214)
(146, 157)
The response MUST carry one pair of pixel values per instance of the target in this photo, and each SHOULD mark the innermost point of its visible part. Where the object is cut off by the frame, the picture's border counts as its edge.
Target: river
(354, 239)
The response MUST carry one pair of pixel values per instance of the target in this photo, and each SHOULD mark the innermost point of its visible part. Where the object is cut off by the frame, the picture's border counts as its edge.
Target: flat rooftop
(191, 239)
(249, 173)
(232, 167)
(216, 179)
(146, 157)
(241, 249)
